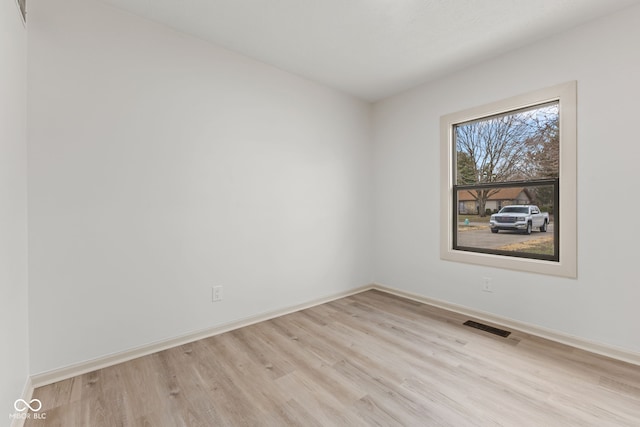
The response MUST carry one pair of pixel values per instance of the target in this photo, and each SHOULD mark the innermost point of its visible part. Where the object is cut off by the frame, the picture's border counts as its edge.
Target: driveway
(480, 236)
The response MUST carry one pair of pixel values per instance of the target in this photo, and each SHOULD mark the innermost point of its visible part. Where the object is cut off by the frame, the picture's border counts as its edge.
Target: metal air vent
(487, 328)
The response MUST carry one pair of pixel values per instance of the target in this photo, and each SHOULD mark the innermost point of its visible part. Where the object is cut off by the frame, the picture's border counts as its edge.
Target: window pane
(518, 220)
(516, 146)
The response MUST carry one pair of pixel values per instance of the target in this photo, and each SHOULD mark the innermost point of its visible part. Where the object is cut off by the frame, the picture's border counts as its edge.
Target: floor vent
(487, 328)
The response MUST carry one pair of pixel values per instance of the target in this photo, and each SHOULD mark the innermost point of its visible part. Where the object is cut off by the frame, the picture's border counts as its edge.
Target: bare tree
(543, 159)
(504, 148)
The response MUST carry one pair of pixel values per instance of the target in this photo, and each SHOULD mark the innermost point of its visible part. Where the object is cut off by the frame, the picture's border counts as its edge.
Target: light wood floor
(368, 359)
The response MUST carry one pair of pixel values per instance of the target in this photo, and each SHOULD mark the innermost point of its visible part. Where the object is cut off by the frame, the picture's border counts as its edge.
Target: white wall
(14, 357)
(602, 304)
(161, 165)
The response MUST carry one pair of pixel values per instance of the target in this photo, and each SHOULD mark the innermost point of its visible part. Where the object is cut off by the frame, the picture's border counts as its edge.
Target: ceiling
(371, 48)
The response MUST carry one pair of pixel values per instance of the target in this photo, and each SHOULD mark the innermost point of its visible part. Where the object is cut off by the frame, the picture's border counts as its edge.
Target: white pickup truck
(519, 217)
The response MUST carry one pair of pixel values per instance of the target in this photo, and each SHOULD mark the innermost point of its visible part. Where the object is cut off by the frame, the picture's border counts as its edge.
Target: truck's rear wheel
(543, 228)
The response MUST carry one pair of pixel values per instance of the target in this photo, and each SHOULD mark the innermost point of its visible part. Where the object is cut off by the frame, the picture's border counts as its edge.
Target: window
(508, 196)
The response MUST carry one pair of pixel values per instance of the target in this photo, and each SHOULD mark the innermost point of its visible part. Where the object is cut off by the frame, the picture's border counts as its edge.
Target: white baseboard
(71, 371)
(27, 394)
(505, 322)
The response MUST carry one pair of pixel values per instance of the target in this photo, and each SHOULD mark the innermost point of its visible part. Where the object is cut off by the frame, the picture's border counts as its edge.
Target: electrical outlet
(216, 293)
(486, 284)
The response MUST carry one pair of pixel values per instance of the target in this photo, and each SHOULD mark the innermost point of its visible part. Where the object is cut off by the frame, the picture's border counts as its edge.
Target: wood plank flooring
(369, 359)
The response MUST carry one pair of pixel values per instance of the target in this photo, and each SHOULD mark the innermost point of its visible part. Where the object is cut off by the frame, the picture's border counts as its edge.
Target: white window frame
(566, 95)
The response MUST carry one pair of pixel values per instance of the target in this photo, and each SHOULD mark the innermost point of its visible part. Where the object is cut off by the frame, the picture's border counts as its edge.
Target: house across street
(467, 203)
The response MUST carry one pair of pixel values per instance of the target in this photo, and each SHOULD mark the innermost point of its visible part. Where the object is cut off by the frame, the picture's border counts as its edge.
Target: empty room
(319, 213)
